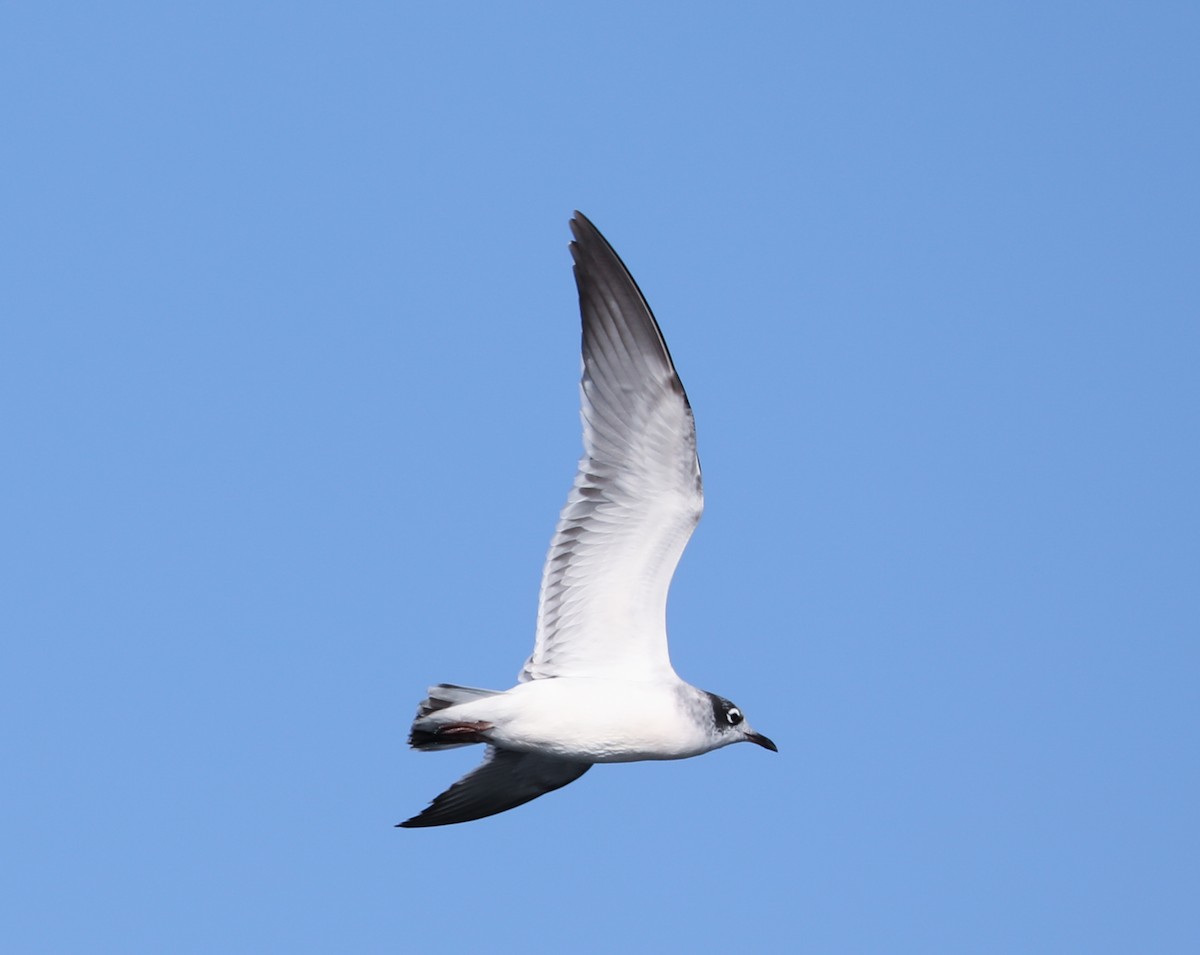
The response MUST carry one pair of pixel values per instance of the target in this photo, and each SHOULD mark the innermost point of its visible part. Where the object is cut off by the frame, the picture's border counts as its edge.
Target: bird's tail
(441, 697)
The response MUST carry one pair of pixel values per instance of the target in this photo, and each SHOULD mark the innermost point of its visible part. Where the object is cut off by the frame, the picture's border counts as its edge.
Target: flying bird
(599, 686)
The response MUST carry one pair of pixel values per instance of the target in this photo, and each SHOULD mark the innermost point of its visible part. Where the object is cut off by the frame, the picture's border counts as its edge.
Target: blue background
(288, 364)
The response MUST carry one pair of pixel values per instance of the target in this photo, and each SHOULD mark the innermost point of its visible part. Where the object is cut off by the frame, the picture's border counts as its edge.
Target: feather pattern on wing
(637, 495)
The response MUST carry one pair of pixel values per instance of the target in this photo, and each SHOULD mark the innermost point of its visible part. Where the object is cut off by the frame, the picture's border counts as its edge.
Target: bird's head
(731, 726)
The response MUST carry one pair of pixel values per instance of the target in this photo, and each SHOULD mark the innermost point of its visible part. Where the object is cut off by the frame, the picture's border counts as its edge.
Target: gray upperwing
(504, 780)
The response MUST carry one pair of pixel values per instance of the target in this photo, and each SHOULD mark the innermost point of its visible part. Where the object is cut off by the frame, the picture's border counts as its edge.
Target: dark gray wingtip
(582, 227)
(609, 294)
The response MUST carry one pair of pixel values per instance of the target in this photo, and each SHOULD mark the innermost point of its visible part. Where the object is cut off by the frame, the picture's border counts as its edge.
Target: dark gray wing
(504, 780)
(637, 494)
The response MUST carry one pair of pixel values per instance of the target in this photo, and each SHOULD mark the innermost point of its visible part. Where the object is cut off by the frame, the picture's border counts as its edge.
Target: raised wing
(637, 495)
(504, 780)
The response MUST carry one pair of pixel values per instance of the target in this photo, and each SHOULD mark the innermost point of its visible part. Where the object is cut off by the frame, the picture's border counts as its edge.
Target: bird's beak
(763, 742)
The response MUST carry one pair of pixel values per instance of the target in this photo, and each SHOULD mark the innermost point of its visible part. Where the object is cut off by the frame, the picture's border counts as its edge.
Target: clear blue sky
(288, 362)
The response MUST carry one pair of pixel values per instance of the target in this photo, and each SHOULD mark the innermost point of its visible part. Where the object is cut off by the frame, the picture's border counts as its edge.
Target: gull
(599, 686)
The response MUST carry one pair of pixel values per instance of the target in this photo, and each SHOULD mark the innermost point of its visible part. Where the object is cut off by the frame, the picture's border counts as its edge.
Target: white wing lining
(637, 495)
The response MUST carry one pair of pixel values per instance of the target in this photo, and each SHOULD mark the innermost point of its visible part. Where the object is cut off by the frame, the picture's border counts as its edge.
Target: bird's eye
(734, 716)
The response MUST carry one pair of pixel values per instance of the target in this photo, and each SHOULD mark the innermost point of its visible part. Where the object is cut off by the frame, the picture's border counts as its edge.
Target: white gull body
(599, 686)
